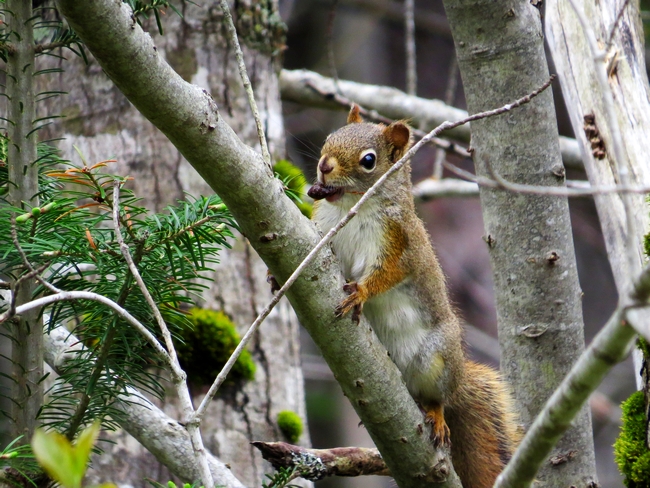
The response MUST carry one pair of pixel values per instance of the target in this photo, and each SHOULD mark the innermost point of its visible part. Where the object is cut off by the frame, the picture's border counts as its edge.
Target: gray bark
(162, 435)
(501, 57)
(273, 225)
(103, 124)
(629, 85)
(26, 330)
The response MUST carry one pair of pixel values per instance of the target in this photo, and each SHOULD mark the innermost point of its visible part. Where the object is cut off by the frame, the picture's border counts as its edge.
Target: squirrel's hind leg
(434, 415)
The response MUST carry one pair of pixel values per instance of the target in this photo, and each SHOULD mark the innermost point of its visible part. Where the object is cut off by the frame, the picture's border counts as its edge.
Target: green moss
(208, 345)
(290, 424)
(295, 182)
(630, 451)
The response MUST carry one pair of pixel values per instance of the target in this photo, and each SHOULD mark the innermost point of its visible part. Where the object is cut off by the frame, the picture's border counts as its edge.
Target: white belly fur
(394, 315)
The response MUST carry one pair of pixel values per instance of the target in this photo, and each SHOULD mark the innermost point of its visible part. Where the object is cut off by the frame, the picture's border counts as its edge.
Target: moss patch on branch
(208, 345)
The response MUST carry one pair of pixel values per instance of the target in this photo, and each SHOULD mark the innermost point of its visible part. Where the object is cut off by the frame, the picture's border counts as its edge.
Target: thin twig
(576, 189)
(230, 25)
(179, 376)
(409, 40)
(138, 279)
(612, 31)
(450, 95)
(33, 273)
(87, 295)
(375, 116)
(342, 223)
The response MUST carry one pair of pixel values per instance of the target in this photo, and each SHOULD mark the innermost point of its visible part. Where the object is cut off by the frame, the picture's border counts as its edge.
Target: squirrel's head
(357, 155)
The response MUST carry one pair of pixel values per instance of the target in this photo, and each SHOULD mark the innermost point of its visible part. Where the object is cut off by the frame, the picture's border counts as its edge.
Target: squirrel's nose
(324, 167)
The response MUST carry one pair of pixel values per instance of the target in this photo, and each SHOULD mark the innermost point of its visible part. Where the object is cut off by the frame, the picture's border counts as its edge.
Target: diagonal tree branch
(164, 437)
(274, 226)
(609, 347)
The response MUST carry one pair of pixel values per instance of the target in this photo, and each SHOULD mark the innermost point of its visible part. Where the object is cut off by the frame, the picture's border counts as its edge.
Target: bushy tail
(484, 426)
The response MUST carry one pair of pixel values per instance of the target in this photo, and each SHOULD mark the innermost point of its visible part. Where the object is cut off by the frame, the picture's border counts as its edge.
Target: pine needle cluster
(70, 239)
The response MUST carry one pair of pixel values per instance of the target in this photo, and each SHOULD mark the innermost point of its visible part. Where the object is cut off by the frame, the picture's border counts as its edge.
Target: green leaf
(64, 462)
(84, 445)
(54, 452)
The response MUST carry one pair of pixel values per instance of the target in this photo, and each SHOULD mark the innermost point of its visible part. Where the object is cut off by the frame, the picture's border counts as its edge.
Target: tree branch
(164, 437)
(272, 223)
(609, 347)
(178, 375)
(316, 464)
(296, 86)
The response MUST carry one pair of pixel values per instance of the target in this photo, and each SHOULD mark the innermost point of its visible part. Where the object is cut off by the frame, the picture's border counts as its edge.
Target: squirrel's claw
(352, 303)
(440, 434)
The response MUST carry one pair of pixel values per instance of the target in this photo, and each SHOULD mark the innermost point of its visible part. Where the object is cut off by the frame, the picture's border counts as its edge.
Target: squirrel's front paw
(354, 302)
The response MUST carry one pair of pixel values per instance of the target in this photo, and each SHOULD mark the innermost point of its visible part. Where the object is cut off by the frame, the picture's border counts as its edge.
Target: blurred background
(367, 44)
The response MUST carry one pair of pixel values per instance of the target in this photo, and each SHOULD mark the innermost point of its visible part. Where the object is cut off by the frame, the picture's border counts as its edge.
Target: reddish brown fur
(483, 425)
(476, 409)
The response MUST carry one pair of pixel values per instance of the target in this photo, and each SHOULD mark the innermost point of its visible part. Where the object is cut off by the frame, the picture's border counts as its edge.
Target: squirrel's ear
(398, 134)
(354, 117)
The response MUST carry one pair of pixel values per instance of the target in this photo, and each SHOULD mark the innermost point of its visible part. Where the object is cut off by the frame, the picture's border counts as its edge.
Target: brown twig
(450, 94)
(612, 31)
(316, 464)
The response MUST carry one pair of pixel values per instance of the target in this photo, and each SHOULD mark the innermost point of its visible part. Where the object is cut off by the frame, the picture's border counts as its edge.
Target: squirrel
(395, 280)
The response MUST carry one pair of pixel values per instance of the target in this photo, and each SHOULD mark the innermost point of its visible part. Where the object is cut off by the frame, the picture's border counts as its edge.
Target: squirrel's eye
(368, 161)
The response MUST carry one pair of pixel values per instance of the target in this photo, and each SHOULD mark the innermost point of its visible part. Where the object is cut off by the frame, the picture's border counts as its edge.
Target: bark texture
(103, 124)
(163, 436)
(26, 330)
(629, 84)
(501, 57)
(188, 116)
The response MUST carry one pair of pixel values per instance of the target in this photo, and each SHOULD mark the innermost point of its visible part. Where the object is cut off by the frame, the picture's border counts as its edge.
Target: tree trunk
(26, 330)
(627, 79)
(501, 57)
(103, 124)
(629, 84)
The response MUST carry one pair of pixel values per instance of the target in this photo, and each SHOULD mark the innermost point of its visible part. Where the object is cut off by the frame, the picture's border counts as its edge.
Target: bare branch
(610, 346)
(329, 40)
(86, 295)
(450, 95)
(612, 31)
(178, 374)
(230, 25)
(573, 188)
(141, 284)
(299, 86)
(316, 464)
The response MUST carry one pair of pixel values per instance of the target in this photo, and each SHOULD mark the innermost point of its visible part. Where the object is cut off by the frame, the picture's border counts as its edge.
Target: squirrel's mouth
(318, 191)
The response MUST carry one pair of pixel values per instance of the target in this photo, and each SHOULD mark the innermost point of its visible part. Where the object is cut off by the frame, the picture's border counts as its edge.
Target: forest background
(367, 42)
